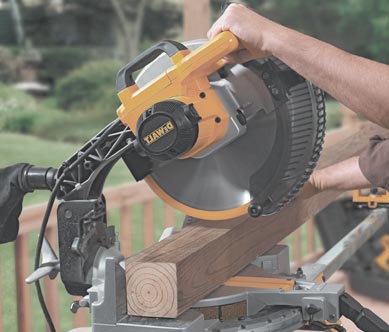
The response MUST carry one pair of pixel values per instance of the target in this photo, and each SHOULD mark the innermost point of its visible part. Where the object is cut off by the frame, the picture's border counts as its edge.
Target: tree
(19, 29)
(141, 20)
(129, 15)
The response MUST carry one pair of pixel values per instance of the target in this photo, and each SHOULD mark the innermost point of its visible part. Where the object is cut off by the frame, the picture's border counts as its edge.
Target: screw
(75, 306)
(68, 214)
(202, 95)
(275, 91)
(218, 120)
(255, 210)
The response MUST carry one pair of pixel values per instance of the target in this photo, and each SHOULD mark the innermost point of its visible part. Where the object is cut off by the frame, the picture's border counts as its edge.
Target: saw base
(264, 297)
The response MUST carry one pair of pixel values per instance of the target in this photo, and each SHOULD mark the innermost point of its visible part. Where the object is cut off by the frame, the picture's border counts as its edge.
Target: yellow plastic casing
(382, 260)
(186, 81)
(372, 201)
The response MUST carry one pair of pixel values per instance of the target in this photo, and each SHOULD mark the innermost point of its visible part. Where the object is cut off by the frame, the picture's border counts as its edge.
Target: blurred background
(58, 64)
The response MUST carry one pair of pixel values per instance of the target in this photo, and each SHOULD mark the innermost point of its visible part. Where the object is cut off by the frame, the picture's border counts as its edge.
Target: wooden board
(170, 276)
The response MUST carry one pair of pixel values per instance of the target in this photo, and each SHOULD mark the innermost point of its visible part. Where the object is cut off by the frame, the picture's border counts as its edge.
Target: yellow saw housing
(186, 81)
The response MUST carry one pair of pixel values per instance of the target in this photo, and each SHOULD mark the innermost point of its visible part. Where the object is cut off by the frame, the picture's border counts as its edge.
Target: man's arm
(359, 83)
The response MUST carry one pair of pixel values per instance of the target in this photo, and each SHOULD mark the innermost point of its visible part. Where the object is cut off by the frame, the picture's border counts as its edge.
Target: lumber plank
(169, 277)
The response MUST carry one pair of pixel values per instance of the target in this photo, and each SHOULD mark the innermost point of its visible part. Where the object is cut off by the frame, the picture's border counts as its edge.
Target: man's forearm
(359, 83)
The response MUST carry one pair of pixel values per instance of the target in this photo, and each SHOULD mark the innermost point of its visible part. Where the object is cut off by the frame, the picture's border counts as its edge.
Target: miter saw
(214, 140)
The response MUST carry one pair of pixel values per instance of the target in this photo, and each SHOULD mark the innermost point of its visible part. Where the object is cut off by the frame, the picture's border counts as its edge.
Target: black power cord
(38, 253)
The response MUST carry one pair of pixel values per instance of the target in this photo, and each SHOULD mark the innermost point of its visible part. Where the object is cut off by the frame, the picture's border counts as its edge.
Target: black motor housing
(167, 130)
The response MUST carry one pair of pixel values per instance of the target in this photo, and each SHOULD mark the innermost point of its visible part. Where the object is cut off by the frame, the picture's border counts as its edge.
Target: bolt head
(68, 214)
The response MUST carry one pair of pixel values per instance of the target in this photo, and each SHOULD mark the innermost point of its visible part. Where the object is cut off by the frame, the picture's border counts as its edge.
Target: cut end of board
(152, 289)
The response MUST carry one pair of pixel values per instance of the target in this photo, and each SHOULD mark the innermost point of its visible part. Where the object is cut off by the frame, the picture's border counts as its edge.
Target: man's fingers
(225, 21)
(216, 28)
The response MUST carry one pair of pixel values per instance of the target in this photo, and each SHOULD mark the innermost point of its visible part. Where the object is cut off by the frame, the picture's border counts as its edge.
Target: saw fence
(122, 200)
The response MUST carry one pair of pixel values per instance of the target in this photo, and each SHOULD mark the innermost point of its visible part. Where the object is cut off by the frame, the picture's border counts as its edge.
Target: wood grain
(206, 253)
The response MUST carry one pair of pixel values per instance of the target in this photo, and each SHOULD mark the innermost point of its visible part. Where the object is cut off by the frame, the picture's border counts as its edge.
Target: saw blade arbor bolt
(68, 214)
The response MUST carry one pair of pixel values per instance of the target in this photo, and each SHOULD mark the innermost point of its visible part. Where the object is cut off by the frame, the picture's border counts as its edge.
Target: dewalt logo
(158, 133)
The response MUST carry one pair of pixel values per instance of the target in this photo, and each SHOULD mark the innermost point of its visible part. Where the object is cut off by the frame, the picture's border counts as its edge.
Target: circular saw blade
(260, 162)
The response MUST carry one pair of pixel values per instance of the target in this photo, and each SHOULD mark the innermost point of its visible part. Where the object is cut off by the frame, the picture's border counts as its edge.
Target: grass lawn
(16, 148)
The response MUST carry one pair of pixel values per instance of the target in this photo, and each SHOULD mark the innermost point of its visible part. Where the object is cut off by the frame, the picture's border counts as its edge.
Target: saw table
(264, 297)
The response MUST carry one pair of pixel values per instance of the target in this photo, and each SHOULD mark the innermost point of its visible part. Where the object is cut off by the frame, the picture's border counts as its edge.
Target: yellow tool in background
(371, 198)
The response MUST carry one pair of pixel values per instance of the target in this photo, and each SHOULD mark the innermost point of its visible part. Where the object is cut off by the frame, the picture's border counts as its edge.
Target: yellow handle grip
(207, 58)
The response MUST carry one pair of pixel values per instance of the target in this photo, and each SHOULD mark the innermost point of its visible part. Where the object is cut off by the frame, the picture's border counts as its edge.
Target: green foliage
(366, 23)
(21, 122)
(59, 61)
(77, 127)
(90, 87)
(358, 26)
(9, 66)
(20, 113)
(333, 115)
(18, 106)
(161, 19)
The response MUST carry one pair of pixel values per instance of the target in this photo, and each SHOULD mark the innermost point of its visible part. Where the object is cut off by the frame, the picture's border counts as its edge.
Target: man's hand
(251, 29)
(343, 176)
(358, 83)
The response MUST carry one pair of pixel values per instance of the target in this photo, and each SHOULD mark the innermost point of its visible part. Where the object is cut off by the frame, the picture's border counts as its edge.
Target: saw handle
(124, 77)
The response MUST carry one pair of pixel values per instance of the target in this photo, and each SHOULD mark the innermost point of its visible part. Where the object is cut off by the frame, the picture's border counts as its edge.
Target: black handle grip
(124, 77)
(362, 317)
(15, 182)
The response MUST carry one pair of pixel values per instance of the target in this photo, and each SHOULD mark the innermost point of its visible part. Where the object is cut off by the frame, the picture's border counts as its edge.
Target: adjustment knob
(168, 129)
